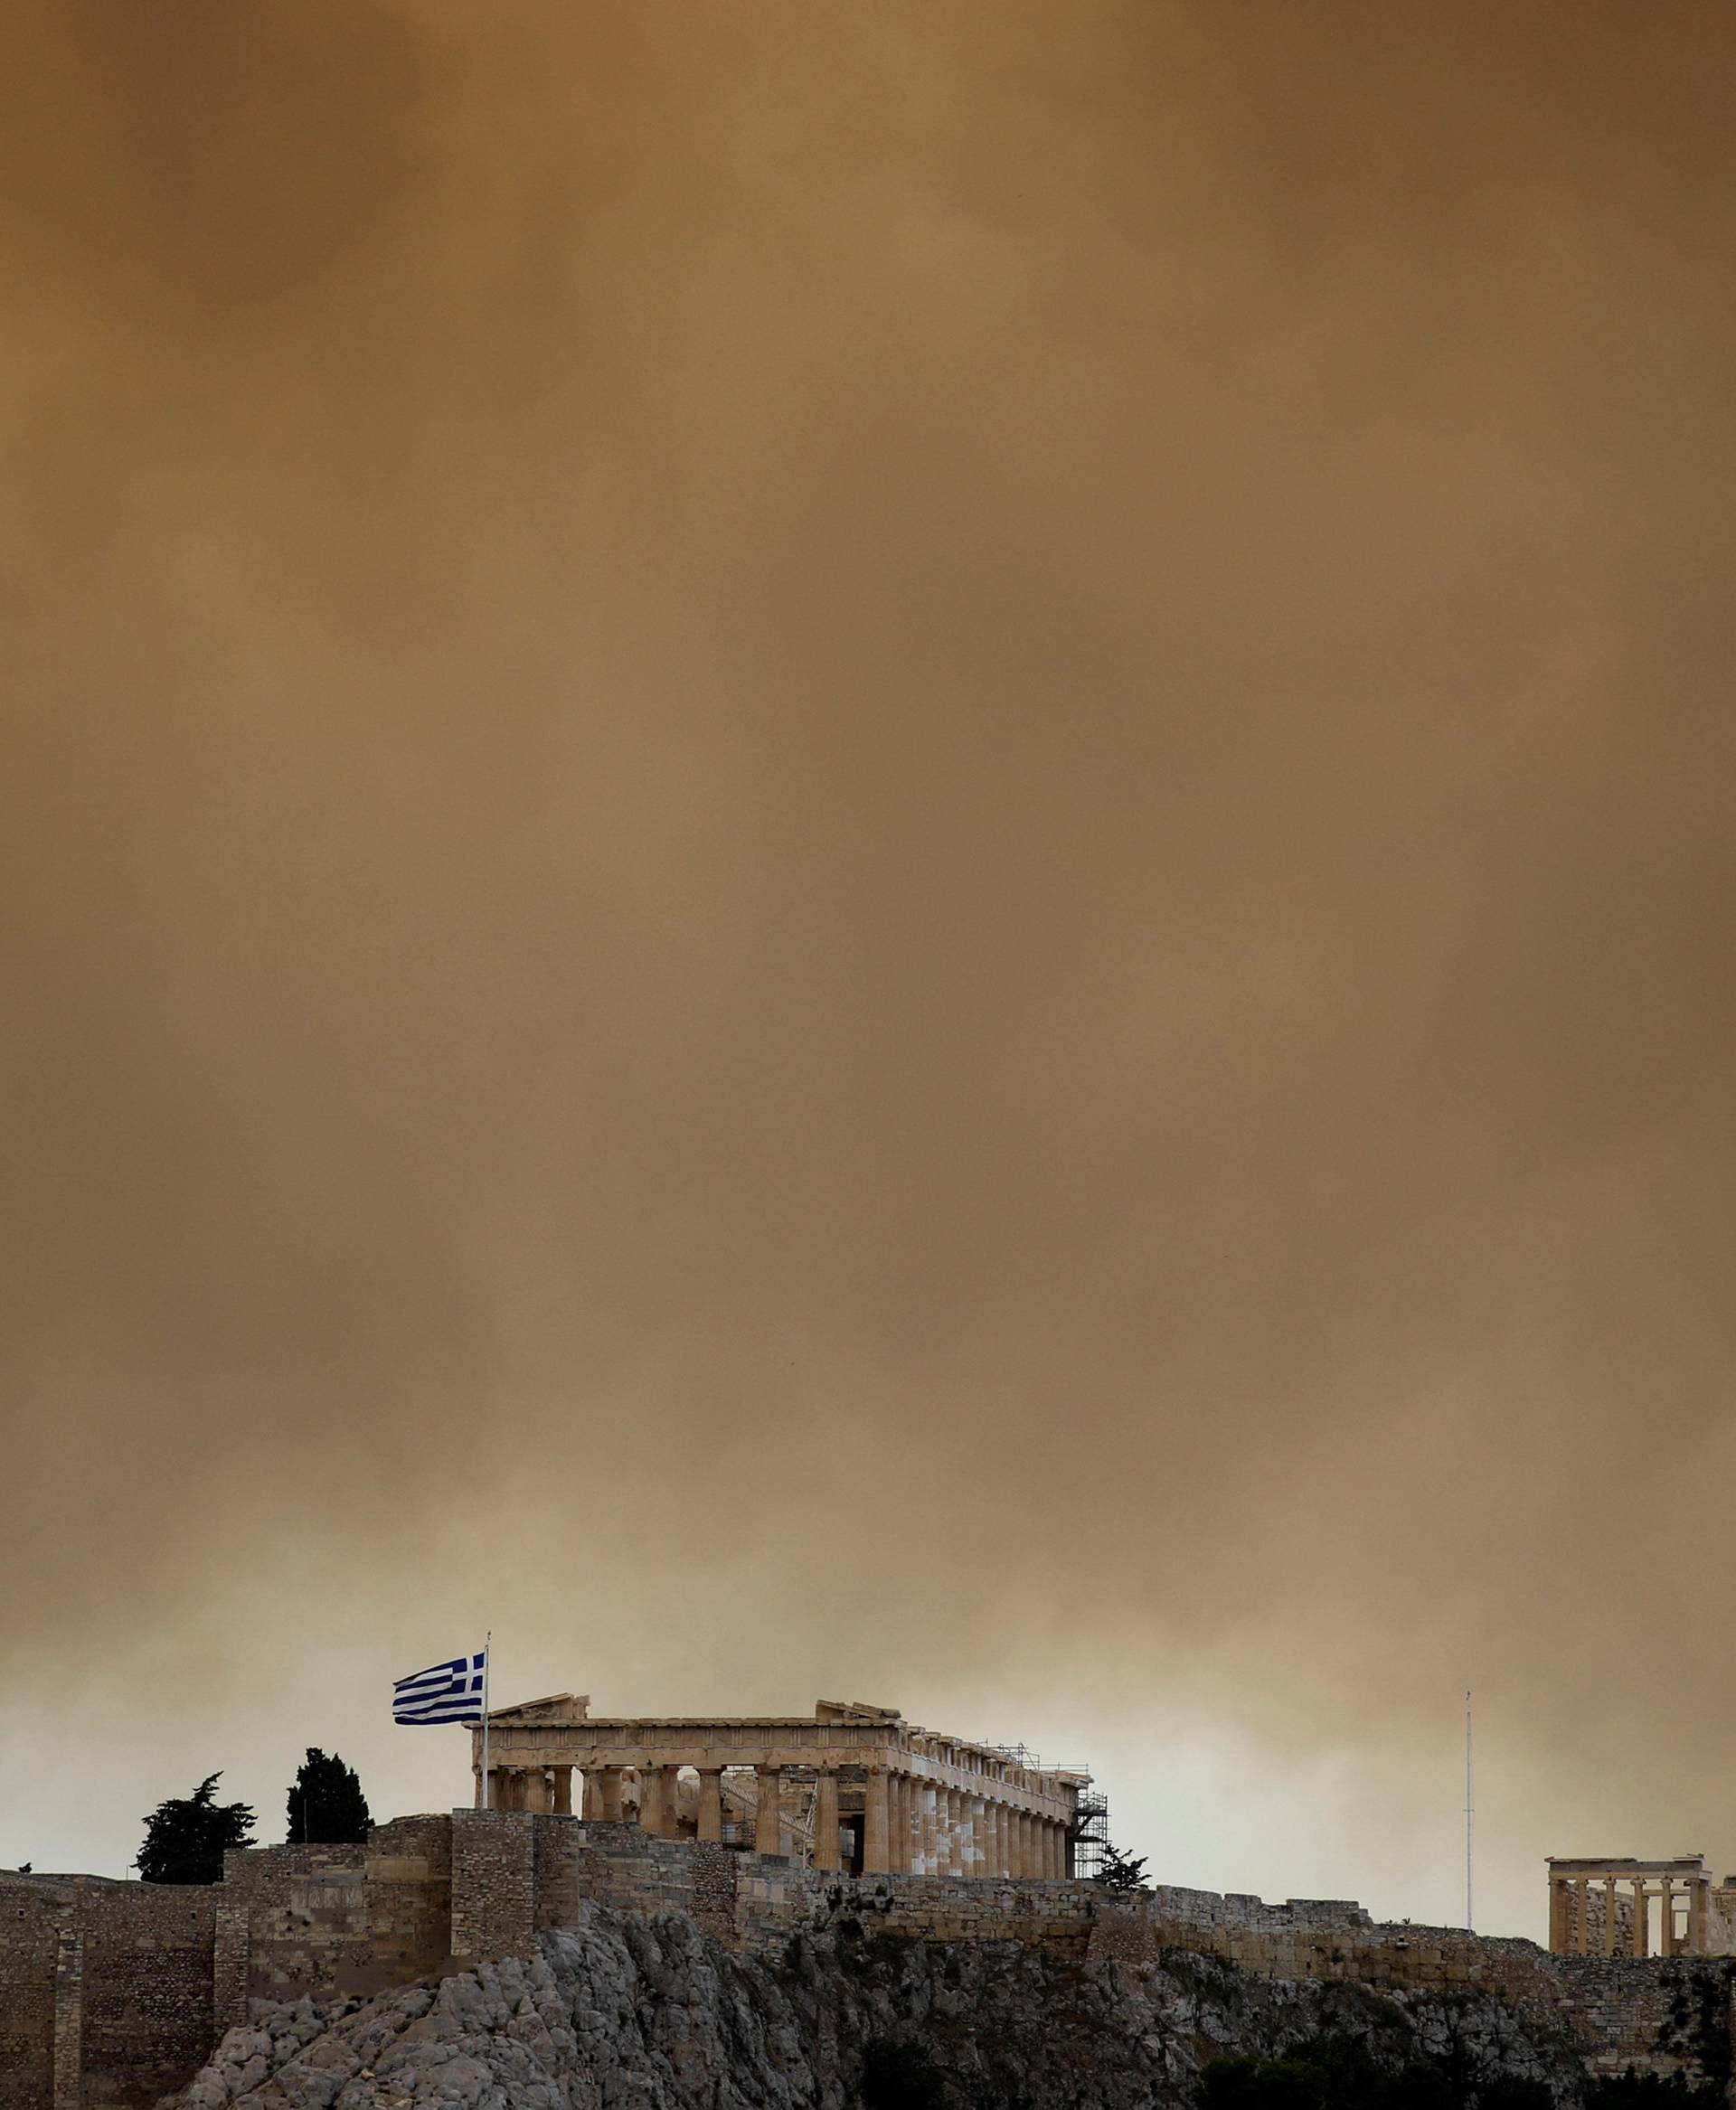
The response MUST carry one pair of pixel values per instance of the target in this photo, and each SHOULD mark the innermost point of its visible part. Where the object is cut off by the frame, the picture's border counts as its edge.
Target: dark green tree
(327, 1805)
(1120, 1872)
(1338, 2073)
(186, 1838)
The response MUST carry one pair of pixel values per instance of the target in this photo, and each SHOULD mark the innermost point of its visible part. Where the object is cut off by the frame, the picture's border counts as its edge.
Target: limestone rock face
(654, 2014)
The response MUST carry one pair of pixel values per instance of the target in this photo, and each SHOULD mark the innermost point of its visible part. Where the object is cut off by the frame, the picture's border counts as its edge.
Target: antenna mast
(1470, 1813)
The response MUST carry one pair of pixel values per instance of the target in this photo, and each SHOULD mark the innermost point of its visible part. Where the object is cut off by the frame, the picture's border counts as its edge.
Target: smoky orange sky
(880, 851)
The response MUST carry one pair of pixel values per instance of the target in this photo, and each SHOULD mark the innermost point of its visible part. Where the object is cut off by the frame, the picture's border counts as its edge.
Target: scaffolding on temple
(1087, 1837)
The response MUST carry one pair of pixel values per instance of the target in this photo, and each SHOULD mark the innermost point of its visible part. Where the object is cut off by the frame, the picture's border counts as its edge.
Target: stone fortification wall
(112, 1993)
(515, 1875)
(1658, 2017)
(105, 1991)
(620, 1865)
(32, 1910)
(334, 1919)
(144, 1994)
(775, 1899)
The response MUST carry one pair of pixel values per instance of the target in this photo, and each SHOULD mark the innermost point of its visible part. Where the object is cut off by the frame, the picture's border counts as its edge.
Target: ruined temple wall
(1598, 1942)
(1721, 1919)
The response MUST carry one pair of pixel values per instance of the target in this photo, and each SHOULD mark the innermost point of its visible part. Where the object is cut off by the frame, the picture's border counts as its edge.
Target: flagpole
(487, 1650)
(1470, 1811)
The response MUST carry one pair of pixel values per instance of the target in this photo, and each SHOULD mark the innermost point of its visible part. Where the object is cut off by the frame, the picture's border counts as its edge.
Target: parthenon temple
(1640, 1908)
(856, 1788)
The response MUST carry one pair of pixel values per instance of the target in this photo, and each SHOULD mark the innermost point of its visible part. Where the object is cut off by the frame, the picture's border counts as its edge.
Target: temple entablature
(853, 1786)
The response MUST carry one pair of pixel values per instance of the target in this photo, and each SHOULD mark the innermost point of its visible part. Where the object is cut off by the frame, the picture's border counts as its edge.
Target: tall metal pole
(487, 1650)
(1470, 1813)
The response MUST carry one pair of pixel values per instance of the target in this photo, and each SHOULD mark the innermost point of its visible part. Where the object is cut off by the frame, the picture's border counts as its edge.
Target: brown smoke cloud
(877, 850)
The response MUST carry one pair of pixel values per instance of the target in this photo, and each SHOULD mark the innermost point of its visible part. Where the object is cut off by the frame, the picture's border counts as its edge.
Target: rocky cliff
(627, 2013)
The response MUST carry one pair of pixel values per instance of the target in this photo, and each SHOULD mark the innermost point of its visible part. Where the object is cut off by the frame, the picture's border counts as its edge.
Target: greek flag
(449, 1692)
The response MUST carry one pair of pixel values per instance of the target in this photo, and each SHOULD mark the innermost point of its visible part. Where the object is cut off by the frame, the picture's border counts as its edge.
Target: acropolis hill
(687, 1913)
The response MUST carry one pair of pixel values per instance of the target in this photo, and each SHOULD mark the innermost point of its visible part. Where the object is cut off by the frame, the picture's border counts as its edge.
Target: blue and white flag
(449, 1692)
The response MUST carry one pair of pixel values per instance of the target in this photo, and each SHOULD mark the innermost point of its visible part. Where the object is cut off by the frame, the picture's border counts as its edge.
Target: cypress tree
(327, 1805)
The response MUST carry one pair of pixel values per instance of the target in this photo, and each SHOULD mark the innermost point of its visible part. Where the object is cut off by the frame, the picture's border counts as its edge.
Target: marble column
(611, 1785)
(1696, 1946)
(563, 1791)
(876, 1823)
(1557, 1917)
(1003, 1840)
(1667, 1920)
(898, 1824)
(1639, 1916)
(651, 1800)
(769, 1817)
(500, 1788)
(951, 1833)
(928, 1824)
(826, 1822)
(535, 1788)
(711, 1804)
(593, 1797)
(1608, 1916)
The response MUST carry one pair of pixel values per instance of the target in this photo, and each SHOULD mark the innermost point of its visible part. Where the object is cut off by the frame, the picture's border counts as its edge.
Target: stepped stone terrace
(854, 1787)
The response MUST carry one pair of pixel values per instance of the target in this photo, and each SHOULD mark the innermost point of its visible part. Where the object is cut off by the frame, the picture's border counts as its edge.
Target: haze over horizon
(877, 853)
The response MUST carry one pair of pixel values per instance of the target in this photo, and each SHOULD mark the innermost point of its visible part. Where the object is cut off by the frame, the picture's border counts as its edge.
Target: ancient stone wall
(32, 1910)
(619, 1865)
(494, 1883)
(105, 1989)
(146, 1992)
(344, 1919)
(774, 1900)
(111, 1994)
(1655, 2017)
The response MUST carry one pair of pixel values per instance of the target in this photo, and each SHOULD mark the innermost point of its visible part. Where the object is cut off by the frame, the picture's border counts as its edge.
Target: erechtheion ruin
(1640, 1908)
(854, 1787)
